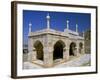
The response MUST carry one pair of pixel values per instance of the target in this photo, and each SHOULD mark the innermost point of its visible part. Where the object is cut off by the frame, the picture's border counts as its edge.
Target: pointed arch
(80, 47)
(72, 48)
(58, 49)
(39, 49)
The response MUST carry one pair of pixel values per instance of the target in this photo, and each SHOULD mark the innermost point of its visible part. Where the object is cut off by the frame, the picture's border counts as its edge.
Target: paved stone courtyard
(82, 60)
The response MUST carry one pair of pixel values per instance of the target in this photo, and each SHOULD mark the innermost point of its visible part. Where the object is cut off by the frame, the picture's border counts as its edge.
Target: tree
(87, 37)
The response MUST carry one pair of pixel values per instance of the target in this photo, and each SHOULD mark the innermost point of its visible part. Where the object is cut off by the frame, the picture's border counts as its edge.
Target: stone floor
(82, 60)
(79, 61)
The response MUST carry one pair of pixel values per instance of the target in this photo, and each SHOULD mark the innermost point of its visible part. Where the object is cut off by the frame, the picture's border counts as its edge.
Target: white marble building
(48, 46)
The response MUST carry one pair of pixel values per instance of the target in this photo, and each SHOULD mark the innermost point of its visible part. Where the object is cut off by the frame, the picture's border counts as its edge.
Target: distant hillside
(87, 41)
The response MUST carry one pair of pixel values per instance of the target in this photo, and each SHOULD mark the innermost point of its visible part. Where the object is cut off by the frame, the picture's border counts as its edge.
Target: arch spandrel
(40, 40)
(72, 41)
(60, 40)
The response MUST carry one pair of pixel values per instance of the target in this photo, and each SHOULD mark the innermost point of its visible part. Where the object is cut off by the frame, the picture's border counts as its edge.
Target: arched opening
(58, 50)
(80, 47)
(39, 50)
(72, 48)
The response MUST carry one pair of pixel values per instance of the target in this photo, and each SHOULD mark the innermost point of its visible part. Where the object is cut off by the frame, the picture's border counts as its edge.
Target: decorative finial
(48, 21)
(76, 27)
(67, 24)
(30, 25)
(48, 17)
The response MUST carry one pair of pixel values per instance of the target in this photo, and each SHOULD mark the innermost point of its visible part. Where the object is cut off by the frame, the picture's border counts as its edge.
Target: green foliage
(87, 41)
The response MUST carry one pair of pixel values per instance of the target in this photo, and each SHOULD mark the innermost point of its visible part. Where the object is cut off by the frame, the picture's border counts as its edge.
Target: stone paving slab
(79, 61)
(28, 65)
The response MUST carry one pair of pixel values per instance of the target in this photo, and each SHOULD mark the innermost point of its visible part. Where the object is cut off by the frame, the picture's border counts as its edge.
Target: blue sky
(57, 21)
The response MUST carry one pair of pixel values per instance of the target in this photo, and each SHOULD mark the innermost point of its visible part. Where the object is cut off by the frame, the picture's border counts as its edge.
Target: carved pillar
(48, 56)
(77, 50)
(34, 54)
(30, 56)
(30, 46)
(66, 54)
(32, 51)
(83, 49)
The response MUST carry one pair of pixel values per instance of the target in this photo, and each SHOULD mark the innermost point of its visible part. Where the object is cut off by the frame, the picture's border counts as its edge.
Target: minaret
(76, 27)
(48, 21)
(30, 26)
(67, 24)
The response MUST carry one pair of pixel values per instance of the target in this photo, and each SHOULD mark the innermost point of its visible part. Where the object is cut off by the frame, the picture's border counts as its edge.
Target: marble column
(77, 50)
(48, 56)
(30, 50)
(34, 54)
(66, 54)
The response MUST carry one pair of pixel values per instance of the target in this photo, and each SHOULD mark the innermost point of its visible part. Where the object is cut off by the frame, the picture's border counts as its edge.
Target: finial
(48, 21)
(48, 17)
(30, 25)
(76, 27)
(67, 24)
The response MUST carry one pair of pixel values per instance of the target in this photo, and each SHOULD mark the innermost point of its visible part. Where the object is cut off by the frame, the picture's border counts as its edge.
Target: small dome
(48, 17)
